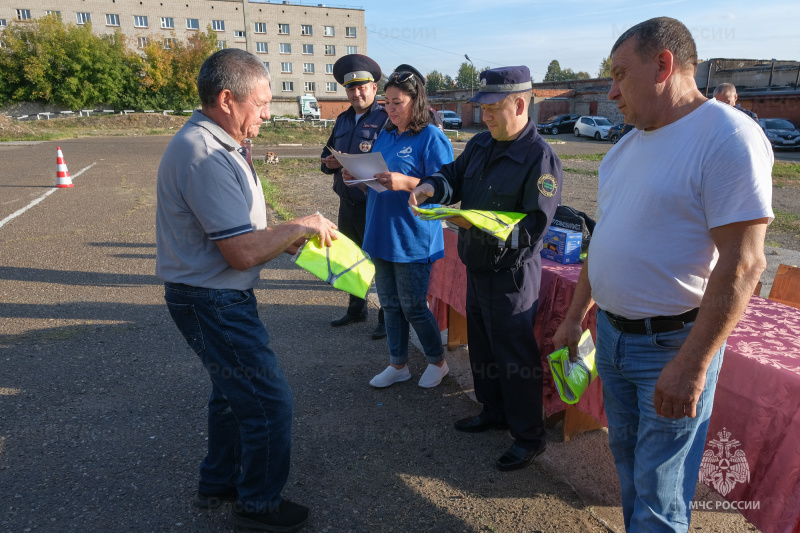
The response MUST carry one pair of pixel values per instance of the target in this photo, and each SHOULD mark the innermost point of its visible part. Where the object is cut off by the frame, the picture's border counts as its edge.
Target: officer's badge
(547, 185)
(365, 146)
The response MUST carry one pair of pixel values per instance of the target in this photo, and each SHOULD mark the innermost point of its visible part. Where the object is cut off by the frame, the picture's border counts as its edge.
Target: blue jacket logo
(405, 152)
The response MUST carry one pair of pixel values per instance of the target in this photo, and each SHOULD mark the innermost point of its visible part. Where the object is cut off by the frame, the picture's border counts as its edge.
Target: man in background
(726, 93)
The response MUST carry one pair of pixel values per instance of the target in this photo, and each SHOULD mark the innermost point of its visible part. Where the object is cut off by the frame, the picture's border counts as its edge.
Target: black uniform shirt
(351, 138)
(523, 176)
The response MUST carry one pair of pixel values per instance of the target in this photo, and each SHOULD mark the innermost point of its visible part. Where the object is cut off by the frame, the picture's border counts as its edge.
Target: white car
(590, 126)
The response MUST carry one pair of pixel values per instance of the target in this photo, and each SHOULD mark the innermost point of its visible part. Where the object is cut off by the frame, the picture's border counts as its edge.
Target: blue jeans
(403, 293)
(657, 459)
(250, 408)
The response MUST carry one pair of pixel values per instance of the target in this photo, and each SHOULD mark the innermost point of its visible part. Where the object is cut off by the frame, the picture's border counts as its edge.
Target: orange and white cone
(63, 181)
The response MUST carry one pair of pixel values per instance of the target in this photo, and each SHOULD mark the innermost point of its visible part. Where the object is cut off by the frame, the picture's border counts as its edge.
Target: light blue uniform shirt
(393, 233)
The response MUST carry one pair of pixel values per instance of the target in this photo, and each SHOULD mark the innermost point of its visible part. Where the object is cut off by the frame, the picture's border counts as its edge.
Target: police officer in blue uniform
(355, 131)
(508, 168)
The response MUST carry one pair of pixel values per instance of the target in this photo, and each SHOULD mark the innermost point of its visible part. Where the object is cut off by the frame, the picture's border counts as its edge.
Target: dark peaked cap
(408, 68)
(356, 69)
(497, 83)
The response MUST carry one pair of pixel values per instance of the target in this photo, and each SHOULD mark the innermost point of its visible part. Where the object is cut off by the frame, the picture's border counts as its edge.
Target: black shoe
(212, 501)
(348, 319)
(518, 457)
(289, 516)
(478, 424)
(380, 331)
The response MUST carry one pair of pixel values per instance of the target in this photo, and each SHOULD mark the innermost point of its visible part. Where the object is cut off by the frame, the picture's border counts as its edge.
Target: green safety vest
(343, 264)
(497, 223)
(572, 379)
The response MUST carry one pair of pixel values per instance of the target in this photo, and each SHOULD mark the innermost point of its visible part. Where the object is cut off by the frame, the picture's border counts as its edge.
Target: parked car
(780, 132)
(558, 124)
(618, 131)
(591, 126)
(450, 119)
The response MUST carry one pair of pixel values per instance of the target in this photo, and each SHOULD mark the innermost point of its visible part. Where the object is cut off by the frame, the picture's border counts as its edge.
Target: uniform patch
(368, 125)
(547, 185)
(365, 146)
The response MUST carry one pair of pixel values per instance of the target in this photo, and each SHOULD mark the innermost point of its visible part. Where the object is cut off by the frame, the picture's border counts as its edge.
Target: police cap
(497, 83)
(356, 69)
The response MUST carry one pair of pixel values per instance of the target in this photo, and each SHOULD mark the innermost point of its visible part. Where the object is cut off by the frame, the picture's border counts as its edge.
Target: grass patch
(584, 157)
(293, 133)
(272, 175)
(785, 222)
(581, 171)
(785, 172)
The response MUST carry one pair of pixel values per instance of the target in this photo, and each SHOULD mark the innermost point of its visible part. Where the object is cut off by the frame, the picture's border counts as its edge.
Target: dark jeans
(402, 290)
(250, 408)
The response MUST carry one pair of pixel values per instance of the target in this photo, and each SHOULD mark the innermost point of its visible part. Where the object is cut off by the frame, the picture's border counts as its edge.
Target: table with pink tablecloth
(752, 455)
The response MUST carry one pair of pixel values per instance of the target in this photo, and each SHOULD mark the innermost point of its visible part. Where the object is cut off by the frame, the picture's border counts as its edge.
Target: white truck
(309, 108)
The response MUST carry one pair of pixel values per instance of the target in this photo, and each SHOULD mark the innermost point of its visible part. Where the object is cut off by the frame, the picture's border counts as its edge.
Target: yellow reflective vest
(498, 223)
(343, 264)
(572, 379)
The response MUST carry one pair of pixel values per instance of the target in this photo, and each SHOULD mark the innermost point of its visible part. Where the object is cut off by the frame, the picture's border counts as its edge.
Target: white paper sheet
(363, 167)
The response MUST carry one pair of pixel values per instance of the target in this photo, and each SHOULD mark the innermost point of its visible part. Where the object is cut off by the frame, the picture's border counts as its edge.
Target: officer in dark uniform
(355, 131)
(508, 168)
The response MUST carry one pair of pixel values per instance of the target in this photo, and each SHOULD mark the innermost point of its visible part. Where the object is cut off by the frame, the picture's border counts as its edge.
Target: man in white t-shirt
(683, 205)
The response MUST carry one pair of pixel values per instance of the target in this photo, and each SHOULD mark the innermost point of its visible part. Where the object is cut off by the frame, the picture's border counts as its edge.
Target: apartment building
(298, 42)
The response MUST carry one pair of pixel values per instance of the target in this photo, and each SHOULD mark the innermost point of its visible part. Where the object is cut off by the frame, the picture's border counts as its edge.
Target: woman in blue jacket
(402, 246)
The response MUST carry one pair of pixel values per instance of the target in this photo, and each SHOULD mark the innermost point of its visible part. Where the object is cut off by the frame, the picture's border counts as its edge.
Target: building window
(306, 29)
(283, 29)
(169, 42)
(310, 86)
(143, 42)
(352, 49)
(330, 87)
(218, 25)
(112, 20)
(139, 21)
(350, 31)
(328, 31)
(192, 24)
(168, 23)
(266, 64)
(260, 27)
(308, 49)
(2, 23)
(83, 18)
(286, 68)
(222, 45)
(329, 68)
(262, 48)
(308, 68)
(56, 13)
(288, 86)
(239, 33)
(286, 48)
(330, 50)
(24, 14)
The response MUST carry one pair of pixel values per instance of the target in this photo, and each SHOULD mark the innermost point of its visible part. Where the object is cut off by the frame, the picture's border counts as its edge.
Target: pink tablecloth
(755, 422)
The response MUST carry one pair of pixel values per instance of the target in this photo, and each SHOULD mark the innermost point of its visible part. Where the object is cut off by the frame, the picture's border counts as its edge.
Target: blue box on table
(562, 245)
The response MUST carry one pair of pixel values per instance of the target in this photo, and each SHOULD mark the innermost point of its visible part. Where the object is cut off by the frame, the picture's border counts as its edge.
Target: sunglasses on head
(402, 77)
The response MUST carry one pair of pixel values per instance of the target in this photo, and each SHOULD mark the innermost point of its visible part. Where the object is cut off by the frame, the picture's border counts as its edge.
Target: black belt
(658, 324)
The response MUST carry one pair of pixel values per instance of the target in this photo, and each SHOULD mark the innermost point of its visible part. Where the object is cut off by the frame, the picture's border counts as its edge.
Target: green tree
(553, 71)
(188, 57)
(605, 68)
(449, 82)
(435, 82)
(467, 77)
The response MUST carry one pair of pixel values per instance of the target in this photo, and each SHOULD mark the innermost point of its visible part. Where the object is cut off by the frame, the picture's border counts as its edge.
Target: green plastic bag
(497, 223)
(572, 379)
(343, 264)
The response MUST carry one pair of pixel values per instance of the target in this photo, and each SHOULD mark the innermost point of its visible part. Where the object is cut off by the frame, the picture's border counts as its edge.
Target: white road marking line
(15, 214)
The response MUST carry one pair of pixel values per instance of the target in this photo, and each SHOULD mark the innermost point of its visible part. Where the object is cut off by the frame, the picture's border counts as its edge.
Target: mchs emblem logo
(722, 467)
(365, 146)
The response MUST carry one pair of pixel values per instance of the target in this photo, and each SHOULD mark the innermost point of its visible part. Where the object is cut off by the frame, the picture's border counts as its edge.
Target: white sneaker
(390, 376)
(433, 375)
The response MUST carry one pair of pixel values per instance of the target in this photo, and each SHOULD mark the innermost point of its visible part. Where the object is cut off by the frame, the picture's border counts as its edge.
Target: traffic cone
(63, 181)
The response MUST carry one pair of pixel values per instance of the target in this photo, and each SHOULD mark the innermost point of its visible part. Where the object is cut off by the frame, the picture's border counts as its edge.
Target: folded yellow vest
(572, 379)
(343, 264)
(497, 223)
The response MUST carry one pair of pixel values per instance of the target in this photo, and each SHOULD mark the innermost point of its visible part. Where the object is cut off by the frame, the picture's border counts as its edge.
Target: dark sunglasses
(402, 77)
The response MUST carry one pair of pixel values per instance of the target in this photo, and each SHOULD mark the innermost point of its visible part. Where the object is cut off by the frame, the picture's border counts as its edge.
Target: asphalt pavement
(102, 404)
